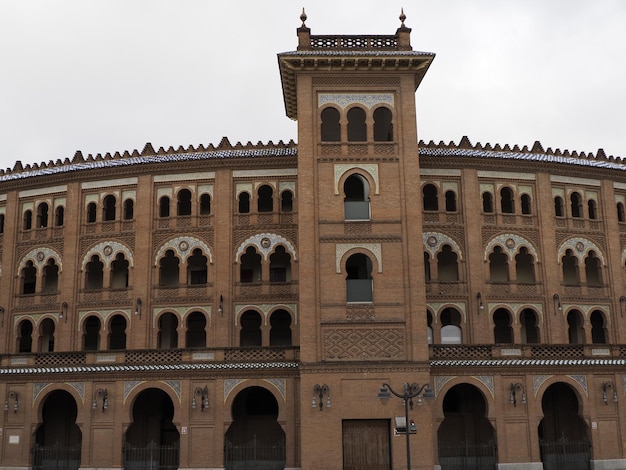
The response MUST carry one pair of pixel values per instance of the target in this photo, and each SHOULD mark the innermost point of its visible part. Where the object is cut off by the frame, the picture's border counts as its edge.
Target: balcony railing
(462, 352)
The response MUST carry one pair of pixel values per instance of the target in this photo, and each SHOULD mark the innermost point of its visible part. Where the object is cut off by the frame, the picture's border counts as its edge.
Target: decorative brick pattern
(364, 343)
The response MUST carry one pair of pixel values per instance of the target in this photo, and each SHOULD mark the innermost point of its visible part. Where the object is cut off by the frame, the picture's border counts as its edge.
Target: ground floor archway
(58, 438)
(254, 440)
(152, 440)
(563, 434)
(466, 439)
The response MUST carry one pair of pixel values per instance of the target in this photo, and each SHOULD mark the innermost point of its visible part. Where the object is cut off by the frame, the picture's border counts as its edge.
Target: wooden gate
(366, 444)
(565, 454)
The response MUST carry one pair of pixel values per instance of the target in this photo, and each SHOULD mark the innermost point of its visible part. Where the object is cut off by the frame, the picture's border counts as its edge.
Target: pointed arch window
(280, 265)
(167, 337)
(50, 277)
(250, 334)
(29, 278)
(571, 274)
(507, 203)
(598, 328)
(357, 129)
(487, 202)
(498, 266)
(330, 129)
(164, 207)
(197, 268)
(25, 340)
(244, 203)
(169, 270)
(250, 266)
(559, 210)
(42, 215)
(451, 332)
(195, 336)
(575, 330)
(94, 274)
(430, 198)
(502, 331)
(447, 264)
(117, 335)
(383, 125)
(356, 203)
(91, 336)
(593, 270)
(280, 332)
(109, 208)
(265, 202)
(530, 330)
(184, 202)
(46, 335)
(524, 267)
(359, 285)
(119, 272)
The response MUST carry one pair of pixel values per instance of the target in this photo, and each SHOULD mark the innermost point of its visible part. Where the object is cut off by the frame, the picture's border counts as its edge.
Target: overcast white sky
(110, 75)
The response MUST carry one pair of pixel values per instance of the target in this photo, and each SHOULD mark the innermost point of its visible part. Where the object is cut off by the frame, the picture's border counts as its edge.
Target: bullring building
(358, 300)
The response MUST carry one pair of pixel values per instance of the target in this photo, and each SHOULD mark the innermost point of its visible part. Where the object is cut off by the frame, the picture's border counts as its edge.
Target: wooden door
(366, 444)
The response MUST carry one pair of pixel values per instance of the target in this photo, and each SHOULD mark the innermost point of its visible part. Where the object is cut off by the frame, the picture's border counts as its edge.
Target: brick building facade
(211, 307)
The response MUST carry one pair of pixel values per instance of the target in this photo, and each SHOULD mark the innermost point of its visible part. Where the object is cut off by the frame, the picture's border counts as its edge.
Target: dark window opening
(265, 202)
(205, 204)
(331, 129)
(109, 208)
(357, 129)
(184, 202)
(244, 203)
(383, 126)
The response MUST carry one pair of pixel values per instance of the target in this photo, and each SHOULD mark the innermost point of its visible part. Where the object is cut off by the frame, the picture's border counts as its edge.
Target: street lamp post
(410, 391)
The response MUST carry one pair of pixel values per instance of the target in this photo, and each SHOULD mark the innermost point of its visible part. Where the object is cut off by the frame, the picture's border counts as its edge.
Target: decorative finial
(303, 17)
(402, 17)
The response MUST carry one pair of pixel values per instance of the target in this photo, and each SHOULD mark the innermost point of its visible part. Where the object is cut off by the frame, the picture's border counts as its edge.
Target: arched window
(265, 202)
(25, 340)
(244, 203)
(184, 202)
(109, 208)
(286, 201)
(59, 216)
(383, 125)
(507, 203)
(430, 198)
(169, 270)
(426, 266)
(117, 335)
(196, 334)
(357, 129)
(250, 266)
(451, 332)
(359, 278)
(91, 336)
(129, 209)
(280, 332)
(42, 215)
(197, 268)
(571, 275)
(119, 272)
(487, 202)
(46, 335)
(575, 330)
(621, 217)
(530, 330)
(526, 204)
(164, 207)
(498, 266)
(447, 264)
(29, 278)
(450, 201)
(356, 202)
(50, 277)
(524, 267)
(91, 213)
(168, 331)
(593, 270)
(598, 328)
(1, 223)
(558, 206)
(502, 331)
(592, 208)
(205, 204)
(94, 274)
(331, 129)
(576, 205)
(250, 334)
(28, 220)
(280, 265)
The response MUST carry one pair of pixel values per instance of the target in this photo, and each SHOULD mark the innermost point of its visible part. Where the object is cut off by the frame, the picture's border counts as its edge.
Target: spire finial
(303, 17)
(402, 17)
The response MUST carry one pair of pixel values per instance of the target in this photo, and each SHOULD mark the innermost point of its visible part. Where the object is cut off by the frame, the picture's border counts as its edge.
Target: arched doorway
(254, 440)
(466, 438)
(58, 439)
(563, 436)
(152, 440)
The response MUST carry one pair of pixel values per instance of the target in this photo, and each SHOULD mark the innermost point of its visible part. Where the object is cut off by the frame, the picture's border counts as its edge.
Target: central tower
(361, 289)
